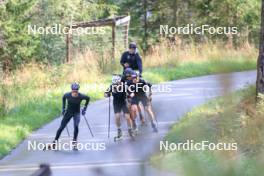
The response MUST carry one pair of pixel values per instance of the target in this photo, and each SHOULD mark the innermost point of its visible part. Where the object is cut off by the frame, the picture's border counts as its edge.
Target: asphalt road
(125, 157)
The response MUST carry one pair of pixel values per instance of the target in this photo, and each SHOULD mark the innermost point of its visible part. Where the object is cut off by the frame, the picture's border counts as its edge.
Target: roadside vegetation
(32, 94)
(232, 118)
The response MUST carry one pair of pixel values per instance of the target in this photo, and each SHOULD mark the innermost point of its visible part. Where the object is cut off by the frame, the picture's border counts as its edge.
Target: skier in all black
(73, 100)
(131, 59)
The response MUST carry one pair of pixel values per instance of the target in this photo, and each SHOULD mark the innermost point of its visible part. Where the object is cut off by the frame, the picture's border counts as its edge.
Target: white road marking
(10, 168)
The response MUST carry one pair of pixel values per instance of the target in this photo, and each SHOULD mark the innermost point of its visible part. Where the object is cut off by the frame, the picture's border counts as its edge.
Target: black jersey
(118, 91)
(74, 103)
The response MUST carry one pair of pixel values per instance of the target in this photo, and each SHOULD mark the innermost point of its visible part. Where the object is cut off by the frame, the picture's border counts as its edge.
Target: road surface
(125, 157)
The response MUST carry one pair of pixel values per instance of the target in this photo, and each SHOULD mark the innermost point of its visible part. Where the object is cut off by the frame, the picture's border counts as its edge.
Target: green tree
(17, 46)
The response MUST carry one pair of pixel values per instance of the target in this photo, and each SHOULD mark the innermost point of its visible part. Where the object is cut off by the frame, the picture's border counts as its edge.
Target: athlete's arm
(63, 102)
(108, 91)
(123, 59)
(87, 100)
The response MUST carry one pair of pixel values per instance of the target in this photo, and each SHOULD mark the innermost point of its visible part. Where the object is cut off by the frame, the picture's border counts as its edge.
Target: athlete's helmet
(116, 79)
(132, 45)
(75, 86)
(128, 72)
(134, 74)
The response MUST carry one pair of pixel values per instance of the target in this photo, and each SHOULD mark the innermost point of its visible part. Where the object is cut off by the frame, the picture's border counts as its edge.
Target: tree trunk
(260, 63)
(145, 38)
(175, 20)
(175, 13)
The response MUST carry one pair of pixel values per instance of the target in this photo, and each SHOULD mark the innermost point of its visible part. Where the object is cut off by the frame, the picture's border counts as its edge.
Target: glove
(84, 111)
(63, 111)
(107, 95)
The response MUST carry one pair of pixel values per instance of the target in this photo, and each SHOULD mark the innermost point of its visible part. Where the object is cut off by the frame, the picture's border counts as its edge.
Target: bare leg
(129, 121)
(134, 110)
(134, 115)
(118, 125)
(118, 120)
(140, 114)
(152, 118)
(150, 113)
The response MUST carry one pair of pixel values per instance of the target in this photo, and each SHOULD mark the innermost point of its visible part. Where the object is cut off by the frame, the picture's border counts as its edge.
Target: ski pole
(88, 126)
(109, 111)
(67, 128)
(68, 131)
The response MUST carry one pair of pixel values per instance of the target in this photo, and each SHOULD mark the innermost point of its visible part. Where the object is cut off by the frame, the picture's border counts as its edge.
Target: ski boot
(142, 120)
(119, 135)
(74, 145)
(52, 146)
(154, 127)
(131, 134)
(135, 128)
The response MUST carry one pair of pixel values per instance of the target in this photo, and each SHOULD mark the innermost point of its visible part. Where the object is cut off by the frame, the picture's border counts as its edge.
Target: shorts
(143, 99)
(118, 107)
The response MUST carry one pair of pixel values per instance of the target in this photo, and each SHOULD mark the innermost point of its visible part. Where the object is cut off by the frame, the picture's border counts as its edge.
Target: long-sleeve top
(74, 103)
(134, 61)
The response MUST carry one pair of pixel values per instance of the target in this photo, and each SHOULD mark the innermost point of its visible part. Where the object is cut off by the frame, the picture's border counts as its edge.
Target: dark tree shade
(260, 63)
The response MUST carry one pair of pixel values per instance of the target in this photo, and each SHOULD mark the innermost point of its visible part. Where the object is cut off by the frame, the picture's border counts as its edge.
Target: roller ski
(119, 136)
(52, 146)
(74, 146)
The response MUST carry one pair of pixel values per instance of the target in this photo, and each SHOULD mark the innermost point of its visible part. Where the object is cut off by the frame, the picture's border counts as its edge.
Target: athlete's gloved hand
(107, 95)
(84, 111)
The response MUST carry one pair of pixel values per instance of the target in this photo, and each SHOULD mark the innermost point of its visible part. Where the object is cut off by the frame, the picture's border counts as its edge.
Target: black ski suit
(73, 110)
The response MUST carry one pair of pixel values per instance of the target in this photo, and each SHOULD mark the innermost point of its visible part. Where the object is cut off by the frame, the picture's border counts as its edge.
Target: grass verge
(192, 69)
(231, 119)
